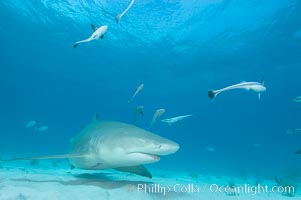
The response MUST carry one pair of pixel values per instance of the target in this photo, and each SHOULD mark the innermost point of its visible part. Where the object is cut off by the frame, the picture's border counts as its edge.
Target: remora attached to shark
(115, 145)
(97, 34)
(254, 86)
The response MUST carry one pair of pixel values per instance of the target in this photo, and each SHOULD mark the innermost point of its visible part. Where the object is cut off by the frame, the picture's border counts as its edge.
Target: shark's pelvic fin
(139, 170)
(49, 157)
(93, 27)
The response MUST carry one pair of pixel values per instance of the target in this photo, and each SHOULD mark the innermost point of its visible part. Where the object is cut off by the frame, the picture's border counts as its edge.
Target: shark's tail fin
(212, 94)
(48, 157)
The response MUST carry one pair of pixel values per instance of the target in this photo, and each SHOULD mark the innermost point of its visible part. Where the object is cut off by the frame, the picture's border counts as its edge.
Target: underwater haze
(179, 49)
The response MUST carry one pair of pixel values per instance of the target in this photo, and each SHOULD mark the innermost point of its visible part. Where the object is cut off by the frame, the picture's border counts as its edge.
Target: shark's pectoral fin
(139, 170)
(50, 157)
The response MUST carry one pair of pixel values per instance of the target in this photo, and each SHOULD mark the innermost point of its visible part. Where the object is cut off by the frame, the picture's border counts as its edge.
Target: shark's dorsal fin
(95, 118)
(139, 170)
(93, 27)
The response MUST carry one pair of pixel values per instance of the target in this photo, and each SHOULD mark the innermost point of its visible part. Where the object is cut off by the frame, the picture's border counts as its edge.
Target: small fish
(298, 99)
(156, 116)
(118, 17)
(137, 91)
(210, 149)
(255, 86)
(139, 110)
(42, 128)
(295, 130)
(30, 124)
(97, 34)
(170, 121)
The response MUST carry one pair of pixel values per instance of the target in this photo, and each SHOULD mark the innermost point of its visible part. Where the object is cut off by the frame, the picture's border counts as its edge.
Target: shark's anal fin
(139, 170)
(63, 156)
(93, 27)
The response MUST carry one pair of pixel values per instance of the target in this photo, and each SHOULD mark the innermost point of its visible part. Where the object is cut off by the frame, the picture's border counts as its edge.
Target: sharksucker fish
(118, 17)
(115, 145)
(137, 91)
(294, 130)
(172, 120)
(156, 116)
(298, 99)
(30, 124)
(254, 86)
(97, 34)
(139, 110)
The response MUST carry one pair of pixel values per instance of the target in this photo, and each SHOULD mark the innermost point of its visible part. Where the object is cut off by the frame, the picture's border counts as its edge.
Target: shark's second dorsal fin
(95, 118)
(93, 27)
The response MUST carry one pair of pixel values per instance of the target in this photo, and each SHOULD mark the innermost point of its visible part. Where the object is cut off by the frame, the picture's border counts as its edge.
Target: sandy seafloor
(20, 180)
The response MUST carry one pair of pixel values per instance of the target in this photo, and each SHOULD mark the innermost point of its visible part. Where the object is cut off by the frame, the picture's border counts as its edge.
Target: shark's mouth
(152, 156)
(155, 157)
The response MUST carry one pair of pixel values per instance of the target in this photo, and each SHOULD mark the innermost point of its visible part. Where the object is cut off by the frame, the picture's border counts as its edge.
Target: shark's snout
(166, 149)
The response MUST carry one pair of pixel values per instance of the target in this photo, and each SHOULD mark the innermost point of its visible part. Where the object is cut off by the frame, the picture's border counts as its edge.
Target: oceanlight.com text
(212, 188)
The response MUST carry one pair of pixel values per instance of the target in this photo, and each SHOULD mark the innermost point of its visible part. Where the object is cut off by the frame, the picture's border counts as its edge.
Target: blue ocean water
(179, 49)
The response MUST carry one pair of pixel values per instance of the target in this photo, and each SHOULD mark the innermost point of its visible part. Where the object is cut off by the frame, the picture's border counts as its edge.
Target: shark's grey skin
(172, 120)
(97, 34)
(254, 86)
(116, 145)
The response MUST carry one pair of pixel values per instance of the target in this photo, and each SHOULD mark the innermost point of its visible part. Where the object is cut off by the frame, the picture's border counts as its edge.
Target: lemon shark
(115, 145)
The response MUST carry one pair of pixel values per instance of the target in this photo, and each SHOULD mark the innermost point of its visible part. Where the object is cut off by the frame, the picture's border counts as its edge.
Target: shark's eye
(160, 146)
